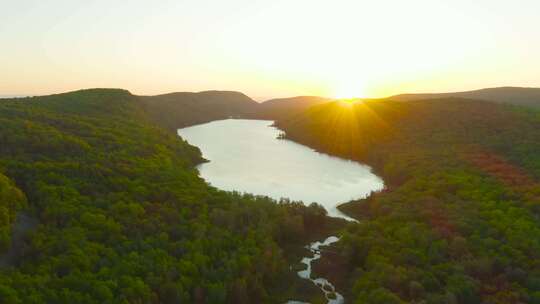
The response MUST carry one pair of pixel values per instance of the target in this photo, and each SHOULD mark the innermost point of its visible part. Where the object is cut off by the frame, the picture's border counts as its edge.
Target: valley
(102, 173)
(272, 152)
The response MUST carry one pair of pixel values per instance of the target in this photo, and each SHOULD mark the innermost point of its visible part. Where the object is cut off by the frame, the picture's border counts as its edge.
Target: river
(247, 156)
(329, 290)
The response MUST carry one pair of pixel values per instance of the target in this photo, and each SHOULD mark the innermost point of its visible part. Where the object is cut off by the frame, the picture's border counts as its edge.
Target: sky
(266, 49)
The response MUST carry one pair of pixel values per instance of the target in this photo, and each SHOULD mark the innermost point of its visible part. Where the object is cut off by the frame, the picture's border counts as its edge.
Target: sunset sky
(269, 49)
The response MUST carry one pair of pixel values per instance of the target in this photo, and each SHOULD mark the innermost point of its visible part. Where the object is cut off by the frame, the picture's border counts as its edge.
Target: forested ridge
(122, 216)
(459, 220)
(280, 108)
(182, 109)
(529, 97)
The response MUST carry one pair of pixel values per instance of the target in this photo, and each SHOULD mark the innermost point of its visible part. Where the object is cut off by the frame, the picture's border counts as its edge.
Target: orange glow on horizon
(362, 49)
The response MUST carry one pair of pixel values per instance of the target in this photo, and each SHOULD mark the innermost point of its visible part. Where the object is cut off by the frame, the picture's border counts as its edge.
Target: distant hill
(510, 95)
(282, 107)
(176, 110)
(12, 96)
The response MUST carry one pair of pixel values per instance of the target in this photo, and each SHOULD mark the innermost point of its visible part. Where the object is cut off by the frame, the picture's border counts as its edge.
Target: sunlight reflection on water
(246, 156)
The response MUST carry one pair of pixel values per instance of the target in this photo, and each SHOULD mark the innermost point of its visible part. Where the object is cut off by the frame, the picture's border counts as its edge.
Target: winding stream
(324, 285)
(247, 156)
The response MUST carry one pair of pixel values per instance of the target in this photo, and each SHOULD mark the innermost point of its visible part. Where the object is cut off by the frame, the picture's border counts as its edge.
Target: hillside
(12, 200)
(123, 217)
(458, 222)
(281, 108)
(176, 110)
(510, 95)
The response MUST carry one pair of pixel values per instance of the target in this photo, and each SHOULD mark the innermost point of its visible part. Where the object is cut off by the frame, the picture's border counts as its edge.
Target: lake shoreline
(247, 155)
(319, 260)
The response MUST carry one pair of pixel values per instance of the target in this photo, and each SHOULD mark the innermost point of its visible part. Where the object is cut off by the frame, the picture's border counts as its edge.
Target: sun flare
(349, 90)
(347, 103)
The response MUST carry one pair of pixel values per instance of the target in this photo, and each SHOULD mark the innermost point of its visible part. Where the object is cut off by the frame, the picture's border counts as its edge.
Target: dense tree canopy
(11, 201)
(113, 210)
(122, 216)
(459, 220)
(177, 110)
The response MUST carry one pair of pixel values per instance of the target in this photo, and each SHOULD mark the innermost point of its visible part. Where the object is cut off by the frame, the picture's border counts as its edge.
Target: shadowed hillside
(285, 107)
(176, 110)
(511, 95)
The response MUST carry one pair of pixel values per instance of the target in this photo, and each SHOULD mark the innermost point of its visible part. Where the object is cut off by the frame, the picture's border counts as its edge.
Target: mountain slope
(11, 201)
(458, 222)
(511, 95)
(176, 110)
(123, 215)
(281, 108)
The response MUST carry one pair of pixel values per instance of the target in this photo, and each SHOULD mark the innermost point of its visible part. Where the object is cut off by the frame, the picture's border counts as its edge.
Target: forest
(108, 208)
(101, 203)
(459, 219)
(182, 109)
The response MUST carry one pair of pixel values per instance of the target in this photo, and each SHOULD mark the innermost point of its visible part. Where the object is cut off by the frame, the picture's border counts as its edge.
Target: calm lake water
(246, 156)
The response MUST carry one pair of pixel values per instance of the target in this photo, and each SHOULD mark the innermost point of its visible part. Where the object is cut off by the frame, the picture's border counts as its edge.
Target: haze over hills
(176, 110)
(282, 107)
(181, 109)
(510, 95)
(12, 96)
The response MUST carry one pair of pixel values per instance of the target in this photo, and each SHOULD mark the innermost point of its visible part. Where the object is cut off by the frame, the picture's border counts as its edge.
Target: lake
(247, 156)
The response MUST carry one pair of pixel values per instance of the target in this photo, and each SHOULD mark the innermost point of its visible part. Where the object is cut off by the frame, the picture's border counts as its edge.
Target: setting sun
(284, 151)
(347, 103)
(349, 89)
